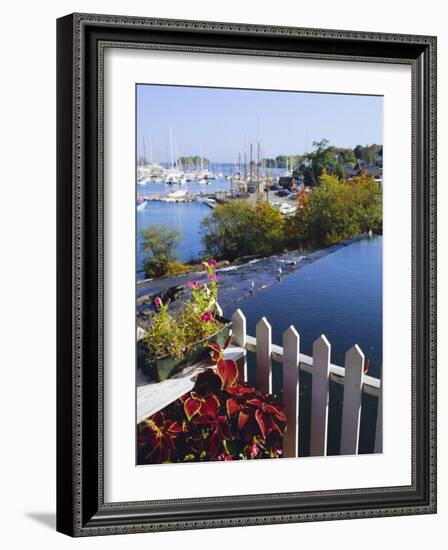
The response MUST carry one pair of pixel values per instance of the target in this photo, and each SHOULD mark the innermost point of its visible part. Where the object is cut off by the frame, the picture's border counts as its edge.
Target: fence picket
(263, 353)
(218, 309)
(378, 448)
(291, 358)
(239, 338)
(351, 407)
(319, 396)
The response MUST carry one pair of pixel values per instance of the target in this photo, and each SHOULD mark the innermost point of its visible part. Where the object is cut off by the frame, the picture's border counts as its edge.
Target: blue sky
(221, 123)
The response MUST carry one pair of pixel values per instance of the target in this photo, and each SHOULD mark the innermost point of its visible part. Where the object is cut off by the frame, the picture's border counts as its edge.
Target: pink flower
(158, 303)
(277, 451)
(253, 450)
(193, 284)
(206, 317)
(213, 263)
(204, 265)
(211, 277)
(225, 457)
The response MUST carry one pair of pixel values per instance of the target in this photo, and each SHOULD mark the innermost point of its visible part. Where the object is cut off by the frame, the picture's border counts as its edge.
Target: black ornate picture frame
(81, 40)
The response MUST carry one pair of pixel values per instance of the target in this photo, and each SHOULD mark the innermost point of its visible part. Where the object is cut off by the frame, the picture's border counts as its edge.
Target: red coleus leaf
(191, 407)
(167, 441)
(158, 419)
(209, 406)
(222, 425)
(232, 407)
(216, 352)
(214, 444)
(204, 420)
(240, 391)
(148, 436)
(274, 411)
(255, 403)
(173, 427)
(228, 372)
(260, 422)
(271, 425)
(243, 418)
(281, 416)
(207, 383)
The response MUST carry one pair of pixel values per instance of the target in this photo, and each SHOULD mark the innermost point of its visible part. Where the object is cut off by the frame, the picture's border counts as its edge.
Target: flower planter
(161, 368)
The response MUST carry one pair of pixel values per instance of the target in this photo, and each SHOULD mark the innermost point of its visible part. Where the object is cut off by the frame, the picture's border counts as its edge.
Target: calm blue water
(339, 295)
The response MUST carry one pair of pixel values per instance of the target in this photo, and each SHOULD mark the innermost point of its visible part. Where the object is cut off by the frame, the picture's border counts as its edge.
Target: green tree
(239, 228)
(324, 157)
(358, 151)
(367, 153)
(193, 161)
(224, 231)
(346, 155)
(367, 198)
(267, 234)
(336, 211)
(159, 242)
(339, 171)
(280, 161)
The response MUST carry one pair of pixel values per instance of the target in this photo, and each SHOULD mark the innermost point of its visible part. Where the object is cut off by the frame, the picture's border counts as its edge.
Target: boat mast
(175, 153)
(171, 148)
(144, 152)
(150, 149)
(250, 165)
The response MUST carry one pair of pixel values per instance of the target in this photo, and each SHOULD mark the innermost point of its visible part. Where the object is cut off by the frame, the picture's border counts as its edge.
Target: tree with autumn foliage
(336, 210)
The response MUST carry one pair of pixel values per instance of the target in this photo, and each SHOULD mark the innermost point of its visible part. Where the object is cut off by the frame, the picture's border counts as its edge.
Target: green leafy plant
(162, 336)
(170, 334)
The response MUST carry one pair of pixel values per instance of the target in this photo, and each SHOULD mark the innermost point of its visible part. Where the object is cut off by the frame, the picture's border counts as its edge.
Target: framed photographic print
(246, 274)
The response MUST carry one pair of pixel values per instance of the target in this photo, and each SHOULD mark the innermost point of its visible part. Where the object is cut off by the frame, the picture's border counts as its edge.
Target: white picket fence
(351, 376)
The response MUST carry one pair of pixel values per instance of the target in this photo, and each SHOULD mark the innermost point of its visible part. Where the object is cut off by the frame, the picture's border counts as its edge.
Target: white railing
(351, 376)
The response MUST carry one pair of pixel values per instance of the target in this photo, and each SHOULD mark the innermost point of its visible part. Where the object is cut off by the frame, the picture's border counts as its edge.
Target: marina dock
(217, 197)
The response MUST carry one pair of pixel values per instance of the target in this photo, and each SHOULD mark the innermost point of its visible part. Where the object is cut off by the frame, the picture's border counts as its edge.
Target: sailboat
(174, 175)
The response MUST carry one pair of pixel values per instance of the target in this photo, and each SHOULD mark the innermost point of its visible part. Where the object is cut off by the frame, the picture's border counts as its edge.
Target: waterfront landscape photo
(258, 274)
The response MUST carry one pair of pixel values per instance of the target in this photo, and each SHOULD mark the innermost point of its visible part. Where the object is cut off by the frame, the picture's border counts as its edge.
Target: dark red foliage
(220, 419)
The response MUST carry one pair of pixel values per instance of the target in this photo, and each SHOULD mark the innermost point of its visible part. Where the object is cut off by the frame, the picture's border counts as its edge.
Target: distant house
(373, 171)
(363, 167)
(350, 172)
